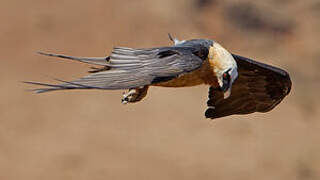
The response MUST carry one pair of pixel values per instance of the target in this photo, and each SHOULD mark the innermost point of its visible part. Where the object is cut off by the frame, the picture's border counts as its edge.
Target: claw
(134, 95)
(129, 96)
(124, 101)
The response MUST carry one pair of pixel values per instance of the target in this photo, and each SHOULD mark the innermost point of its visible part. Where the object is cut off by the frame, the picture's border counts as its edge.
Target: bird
(238, 85)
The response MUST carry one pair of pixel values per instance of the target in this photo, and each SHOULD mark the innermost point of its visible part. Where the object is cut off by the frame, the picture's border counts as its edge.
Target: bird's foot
(129, 97)
(134, 95)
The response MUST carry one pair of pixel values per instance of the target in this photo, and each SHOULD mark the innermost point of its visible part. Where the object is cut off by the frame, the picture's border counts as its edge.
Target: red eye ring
(224, 75)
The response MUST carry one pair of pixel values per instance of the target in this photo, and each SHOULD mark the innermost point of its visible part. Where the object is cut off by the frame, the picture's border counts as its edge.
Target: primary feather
(259, 88)
(130, 68)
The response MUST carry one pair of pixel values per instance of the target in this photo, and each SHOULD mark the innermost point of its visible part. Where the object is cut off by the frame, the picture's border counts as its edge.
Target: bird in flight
(238, 85)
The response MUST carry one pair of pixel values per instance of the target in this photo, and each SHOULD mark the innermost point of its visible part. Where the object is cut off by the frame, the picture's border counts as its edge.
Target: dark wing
(131, 68)
(259, 88)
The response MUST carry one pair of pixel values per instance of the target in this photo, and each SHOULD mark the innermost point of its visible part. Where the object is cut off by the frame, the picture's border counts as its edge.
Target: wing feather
(259, 88)
(102, 61)
(131, 68)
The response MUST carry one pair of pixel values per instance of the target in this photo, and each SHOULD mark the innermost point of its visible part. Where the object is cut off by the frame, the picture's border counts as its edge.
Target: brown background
(91, 135)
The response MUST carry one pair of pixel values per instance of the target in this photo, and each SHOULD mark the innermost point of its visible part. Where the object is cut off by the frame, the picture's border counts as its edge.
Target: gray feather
(102, 61)
(131, 68)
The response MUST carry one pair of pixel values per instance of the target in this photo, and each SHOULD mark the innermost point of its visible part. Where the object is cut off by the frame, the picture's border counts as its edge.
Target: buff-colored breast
(203, 75)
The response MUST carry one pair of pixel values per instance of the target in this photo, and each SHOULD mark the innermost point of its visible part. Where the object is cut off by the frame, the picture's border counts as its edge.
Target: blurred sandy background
(91, 135)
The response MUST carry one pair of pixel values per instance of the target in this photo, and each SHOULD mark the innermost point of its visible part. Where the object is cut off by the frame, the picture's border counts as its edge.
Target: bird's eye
(226, 76)
(226, 80)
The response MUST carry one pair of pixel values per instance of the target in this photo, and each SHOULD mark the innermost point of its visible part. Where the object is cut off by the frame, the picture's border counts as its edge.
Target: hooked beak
(226, 89)
(227, 93)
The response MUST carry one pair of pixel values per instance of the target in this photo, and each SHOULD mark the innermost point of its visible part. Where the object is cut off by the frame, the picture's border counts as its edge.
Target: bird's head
(224, 66)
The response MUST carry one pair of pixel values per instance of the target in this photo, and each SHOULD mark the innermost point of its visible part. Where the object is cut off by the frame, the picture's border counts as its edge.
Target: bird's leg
(134, 95)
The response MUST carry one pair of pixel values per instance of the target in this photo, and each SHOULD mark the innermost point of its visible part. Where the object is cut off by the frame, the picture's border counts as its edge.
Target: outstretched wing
(130, 68)
(259, 88)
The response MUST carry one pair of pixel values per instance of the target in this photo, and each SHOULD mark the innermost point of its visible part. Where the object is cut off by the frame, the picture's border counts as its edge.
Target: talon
(127, 96)
(124, 101)
(133, 95)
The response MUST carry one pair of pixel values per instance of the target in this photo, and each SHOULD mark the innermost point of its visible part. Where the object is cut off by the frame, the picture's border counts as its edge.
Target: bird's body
(203, 75)
(238, 85)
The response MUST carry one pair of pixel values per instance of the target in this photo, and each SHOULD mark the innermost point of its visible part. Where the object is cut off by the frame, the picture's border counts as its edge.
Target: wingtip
(41, 90)
(33, 83)
(210, 113)
(36, 91)
(52, 55)
(26, 82)
(102, 61)
(44, 53)
(287, 81)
